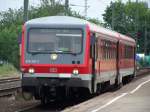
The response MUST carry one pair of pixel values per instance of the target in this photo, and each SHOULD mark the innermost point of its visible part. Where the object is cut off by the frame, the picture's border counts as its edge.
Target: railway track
(9, 86)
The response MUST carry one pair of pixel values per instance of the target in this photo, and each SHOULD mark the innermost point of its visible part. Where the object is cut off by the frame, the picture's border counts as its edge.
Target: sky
(95, 10)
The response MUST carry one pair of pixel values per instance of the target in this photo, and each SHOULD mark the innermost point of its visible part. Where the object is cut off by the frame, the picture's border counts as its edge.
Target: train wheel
(43, 95)
(131, 77)
(69, 94)
(61, 94)
(118, 83)
(127, 79)
(99, 89)
(84, 93)
(44, 100)
(118, 86)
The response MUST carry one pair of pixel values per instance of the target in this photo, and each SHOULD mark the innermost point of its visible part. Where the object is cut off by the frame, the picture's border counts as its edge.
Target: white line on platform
(138, 87)
(110, 102)
(122, 95)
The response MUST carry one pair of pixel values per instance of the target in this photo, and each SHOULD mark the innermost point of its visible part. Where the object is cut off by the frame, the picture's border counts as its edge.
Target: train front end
(54, 58)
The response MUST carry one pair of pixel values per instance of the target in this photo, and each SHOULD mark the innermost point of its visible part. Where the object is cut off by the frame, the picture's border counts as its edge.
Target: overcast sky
(96, 7)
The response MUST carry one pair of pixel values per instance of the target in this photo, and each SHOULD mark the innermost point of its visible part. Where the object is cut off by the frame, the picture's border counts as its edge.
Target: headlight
(75, 71)
(31, 70)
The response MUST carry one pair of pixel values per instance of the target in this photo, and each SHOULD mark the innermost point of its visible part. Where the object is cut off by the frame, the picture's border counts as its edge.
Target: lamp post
(26, 2)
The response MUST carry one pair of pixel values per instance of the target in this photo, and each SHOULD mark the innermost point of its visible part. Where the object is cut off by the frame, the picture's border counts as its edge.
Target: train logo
(54, 56)
(53, 70)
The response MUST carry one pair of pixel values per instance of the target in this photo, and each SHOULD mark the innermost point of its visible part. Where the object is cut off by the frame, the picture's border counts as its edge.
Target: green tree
(117, 17)
(129, 19)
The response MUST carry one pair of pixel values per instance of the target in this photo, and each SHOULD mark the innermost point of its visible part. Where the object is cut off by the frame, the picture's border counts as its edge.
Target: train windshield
(55, 41)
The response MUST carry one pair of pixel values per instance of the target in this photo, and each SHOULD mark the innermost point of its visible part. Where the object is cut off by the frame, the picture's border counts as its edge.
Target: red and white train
(61, 53)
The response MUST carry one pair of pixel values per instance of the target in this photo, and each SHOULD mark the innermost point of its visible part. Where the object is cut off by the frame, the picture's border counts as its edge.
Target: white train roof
(58, 20)
(68, 20)
(109, 32)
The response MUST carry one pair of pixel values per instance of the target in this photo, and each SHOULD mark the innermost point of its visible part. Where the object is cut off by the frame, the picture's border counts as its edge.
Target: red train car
(61, 54)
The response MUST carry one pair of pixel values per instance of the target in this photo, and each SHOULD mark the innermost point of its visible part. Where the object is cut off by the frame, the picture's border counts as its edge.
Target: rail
(9, 86)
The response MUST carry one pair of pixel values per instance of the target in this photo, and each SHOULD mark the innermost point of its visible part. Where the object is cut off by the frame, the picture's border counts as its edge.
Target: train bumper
(68, 80)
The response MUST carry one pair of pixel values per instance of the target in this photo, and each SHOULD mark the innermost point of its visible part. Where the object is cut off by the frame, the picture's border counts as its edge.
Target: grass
(8, 70)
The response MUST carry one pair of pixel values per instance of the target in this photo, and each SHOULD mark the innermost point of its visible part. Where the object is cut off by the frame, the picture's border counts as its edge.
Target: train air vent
(73, 62)
(78, 62)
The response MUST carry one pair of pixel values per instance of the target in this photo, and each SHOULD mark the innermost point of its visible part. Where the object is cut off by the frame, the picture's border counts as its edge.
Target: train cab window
(55, 40)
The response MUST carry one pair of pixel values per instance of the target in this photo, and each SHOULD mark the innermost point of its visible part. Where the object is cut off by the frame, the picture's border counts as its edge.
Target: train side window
(115, 51)
(121, 52)
(128, 52)
(111, 50)
(102, 49)
(108, 50)
(98, 49)
(105, 50)
(125, 52)
(131, 50)
(92, 45)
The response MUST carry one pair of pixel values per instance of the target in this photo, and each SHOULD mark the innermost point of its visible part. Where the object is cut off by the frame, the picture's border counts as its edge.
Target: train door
(134, 48)
(93, 56)
(118, 82)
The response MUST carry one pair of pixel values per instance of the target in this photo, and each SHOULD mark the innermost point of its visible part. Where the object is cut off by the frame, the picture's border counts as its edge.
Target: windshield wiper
(65, 51)
(56, 51)
(34, 53)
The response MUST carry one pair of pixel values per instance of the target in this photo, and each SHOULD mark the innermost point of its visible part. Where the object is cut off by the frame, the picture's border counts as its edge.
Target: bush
(8, 70)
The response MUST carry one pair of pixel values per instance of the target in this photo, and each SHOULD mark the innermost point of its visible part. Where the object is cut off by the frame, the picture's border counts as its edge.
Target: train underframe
(55, 89)
(58, 89)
